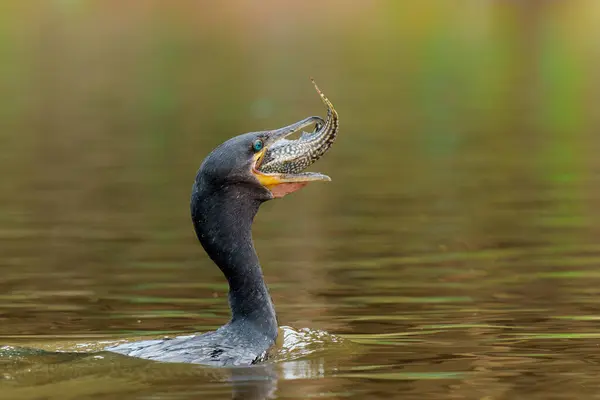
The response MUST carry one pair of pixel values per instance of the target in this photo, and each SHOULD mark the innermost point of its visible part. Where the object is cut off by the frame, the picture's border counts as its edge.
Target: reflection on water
(456, 248)
(72, 375)
(34, 373)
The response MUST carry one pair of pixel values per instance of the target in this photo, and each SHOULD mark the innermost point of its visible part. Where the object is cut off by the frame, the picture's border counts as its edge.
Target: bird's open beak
(281, 184)
(282, 170)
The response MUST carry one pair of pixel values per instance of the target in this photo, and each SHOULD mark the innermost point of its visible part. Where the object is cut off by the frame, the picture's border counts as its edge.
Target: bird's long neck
(223, 222)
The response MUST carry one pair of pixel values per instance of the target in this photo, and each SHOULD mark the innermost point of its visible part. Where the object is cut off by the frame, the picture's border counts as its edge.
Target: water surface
(455, 252)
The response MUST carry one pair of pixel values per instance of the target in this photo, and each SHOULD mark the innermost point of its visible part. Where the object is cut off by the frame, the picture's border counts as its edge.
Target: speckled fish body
(294, 156)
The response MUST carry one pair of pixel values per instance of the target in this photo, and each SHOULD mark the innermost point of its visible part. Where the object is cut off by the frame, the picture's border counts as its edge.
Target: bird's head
(267, 163)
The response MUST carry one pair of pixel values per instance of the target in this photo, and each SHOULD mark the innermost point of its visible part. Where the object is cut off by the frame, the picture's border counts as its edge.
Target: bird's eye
(257, 145)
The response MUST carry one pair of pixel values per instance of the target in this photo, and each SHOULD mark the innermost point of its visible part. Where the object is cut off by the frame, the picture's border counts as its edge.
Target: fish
(294, 156)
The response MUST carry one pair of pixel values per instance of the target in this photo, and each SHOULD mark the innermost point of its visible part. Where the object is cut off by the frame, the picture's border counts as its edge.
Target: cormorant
(231, 184)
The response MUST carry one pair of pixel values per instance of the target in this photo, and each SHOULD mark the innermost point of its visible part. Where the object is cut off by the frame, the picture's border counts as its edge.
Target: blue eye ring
(257, 145)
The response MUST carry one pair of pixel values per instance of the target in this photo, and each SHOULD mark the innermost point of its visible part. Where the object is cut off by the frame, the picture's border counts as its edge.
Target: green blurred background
(466, 170)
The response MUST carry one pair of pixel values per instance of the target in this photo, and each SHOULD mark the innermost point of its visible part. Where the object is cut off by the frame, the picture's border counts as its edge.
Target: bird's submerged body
(231, 184)
(230, 345)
